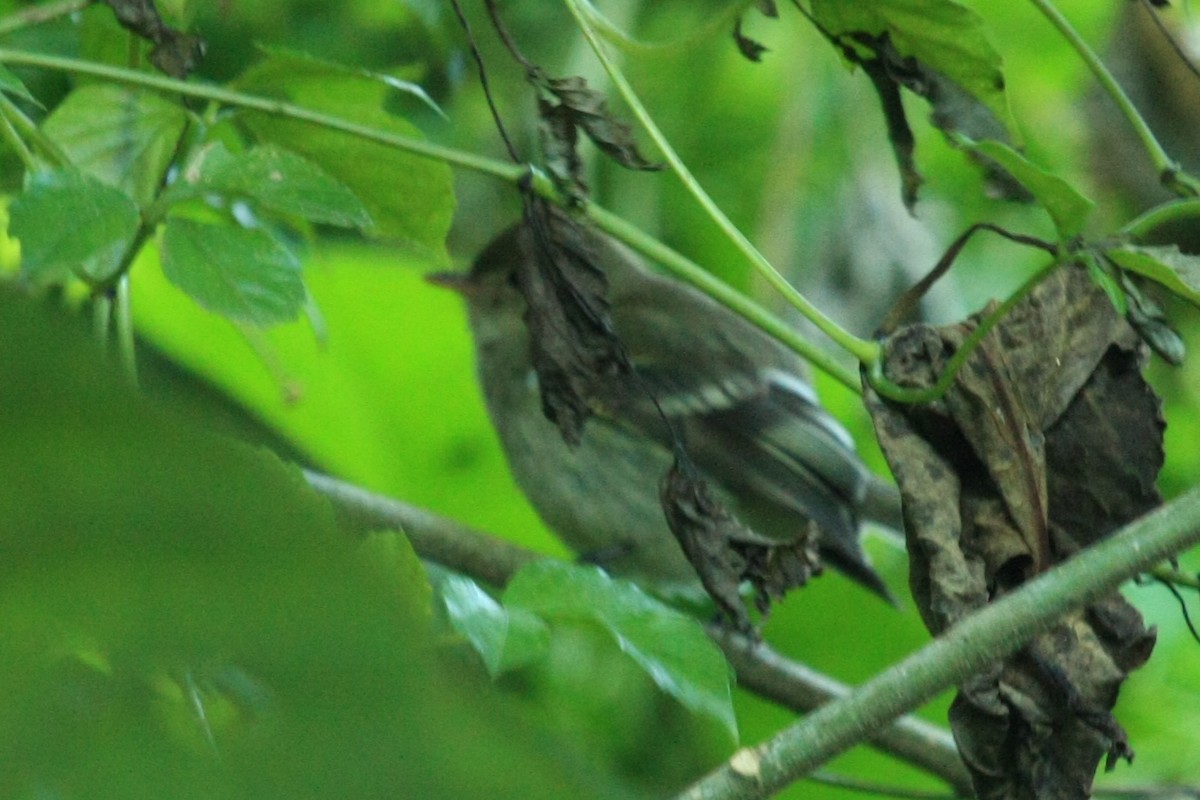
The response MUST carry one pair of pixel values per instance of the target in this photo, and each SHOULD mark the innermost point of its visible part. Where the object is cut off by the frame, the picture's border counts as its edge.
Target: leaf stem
(1171, 174)
(718, 23)
(512, 173)
(972, 644)
(10, 135)
(702, 279)
(102, 317)
(25, 127)
(123, 312)
(903, 394)
(865, 350)
(1160, 215)
(459, 158)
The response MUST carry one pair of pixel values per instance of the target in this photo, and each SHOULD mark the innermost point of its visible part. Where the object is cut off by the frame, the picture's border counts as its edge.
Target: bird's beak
(456, 281)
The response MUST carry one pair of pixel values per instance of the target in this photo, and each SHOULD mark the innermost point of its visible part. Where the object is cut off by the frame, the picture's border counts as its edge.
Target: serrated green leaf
(277, 180)
(11, 84)
(942, 34)
(1174, 270)
(505, 638)
(1067, 207)
(124, 137)
(672, 648)
(409, 198)
(72, 225)
(242, 274)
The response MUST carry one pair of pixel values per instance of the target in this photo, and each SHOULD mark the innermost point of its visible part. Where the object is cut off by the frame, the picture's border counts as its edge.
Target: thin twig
(1171, 174)
(908, 301)
(864, 350)
(483, 81)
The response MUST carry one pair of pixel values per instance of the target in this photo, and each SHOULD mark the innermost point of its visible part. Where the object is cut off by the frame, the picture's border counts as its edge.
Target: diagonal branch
(759, 669)
(964, 650)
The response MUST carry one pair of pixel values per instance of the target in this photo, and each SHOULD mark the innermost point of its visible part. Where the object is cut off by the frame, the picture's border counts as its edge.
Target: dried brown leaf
(175, 53)
(726, 552)
(587, 109)
(955, 111)
(1048, 440)
(751, 49)
(572, 340)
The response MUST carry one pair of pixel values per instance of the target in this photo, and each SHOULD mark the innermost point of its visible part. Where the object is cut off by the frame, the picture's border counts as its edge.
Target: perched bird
(738, 399)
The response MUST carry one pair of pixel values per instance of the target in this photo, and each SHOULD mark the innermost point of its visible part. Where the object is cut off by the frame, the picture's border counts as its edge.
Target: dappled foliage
(241, 196)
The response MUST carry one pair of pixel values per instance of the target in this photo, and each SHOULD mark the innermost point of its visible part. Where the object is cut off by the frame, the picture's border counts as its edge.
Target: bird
(741, 401)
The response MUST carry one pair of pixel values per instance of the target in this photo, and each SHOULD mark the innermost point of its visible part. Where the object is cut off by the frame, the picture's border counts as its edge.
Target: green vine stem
(718, 24)
(865, 350)
(9, 132)
(102, 305)
(1172, 175)
(972, 644)
(459, 158)
(123, 312)
(704, 280)
(24, 127)
(1173, 211)
(512, 173)
(903, 394)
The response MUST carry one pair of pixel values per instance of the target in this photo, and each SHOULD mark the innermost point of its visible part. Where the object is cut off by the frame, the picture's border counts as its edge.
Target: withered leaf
(752, 50)
(588, 110)
(955, 110)
(571, 334)
(1048, 440)
(1103, 453)
(726, 552)
(175, 53)
(884, 76)
(559, 141)
(767, 8)
(1150, 321)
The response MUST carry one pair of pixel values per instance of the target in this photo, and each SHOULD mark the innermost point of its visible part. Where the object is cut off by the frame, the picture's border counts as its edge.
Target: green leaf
(506, 638)
(277, 180)
(941, 34)
(11, 84)
(410, 198)
(125, 137)
(1167, 266)
(72, 225)
(244, 275)
(1107, 280)
(182, 616)
(671, 647)
(1066, 206)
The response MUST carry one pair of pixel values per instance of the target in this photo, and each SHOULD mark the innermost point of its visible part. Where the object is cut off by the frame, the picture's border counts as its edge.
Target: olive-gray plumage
(750, 421)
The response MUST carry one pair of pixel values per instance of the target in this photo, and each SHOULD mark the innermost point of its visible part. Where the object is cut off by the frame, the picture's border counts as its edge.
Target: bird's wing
(749, 420)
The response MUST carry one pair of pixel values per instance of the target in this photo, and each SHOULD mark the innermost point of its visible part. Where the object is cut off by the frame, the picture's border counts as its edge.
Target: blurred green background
(794, 149)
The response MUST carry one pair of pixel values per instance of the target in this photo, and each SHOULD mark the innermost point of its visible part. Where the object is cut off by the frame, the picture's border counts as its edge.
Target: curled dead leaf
(175, 53)
(1048, 440)
(572, 340)
(726, 552)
